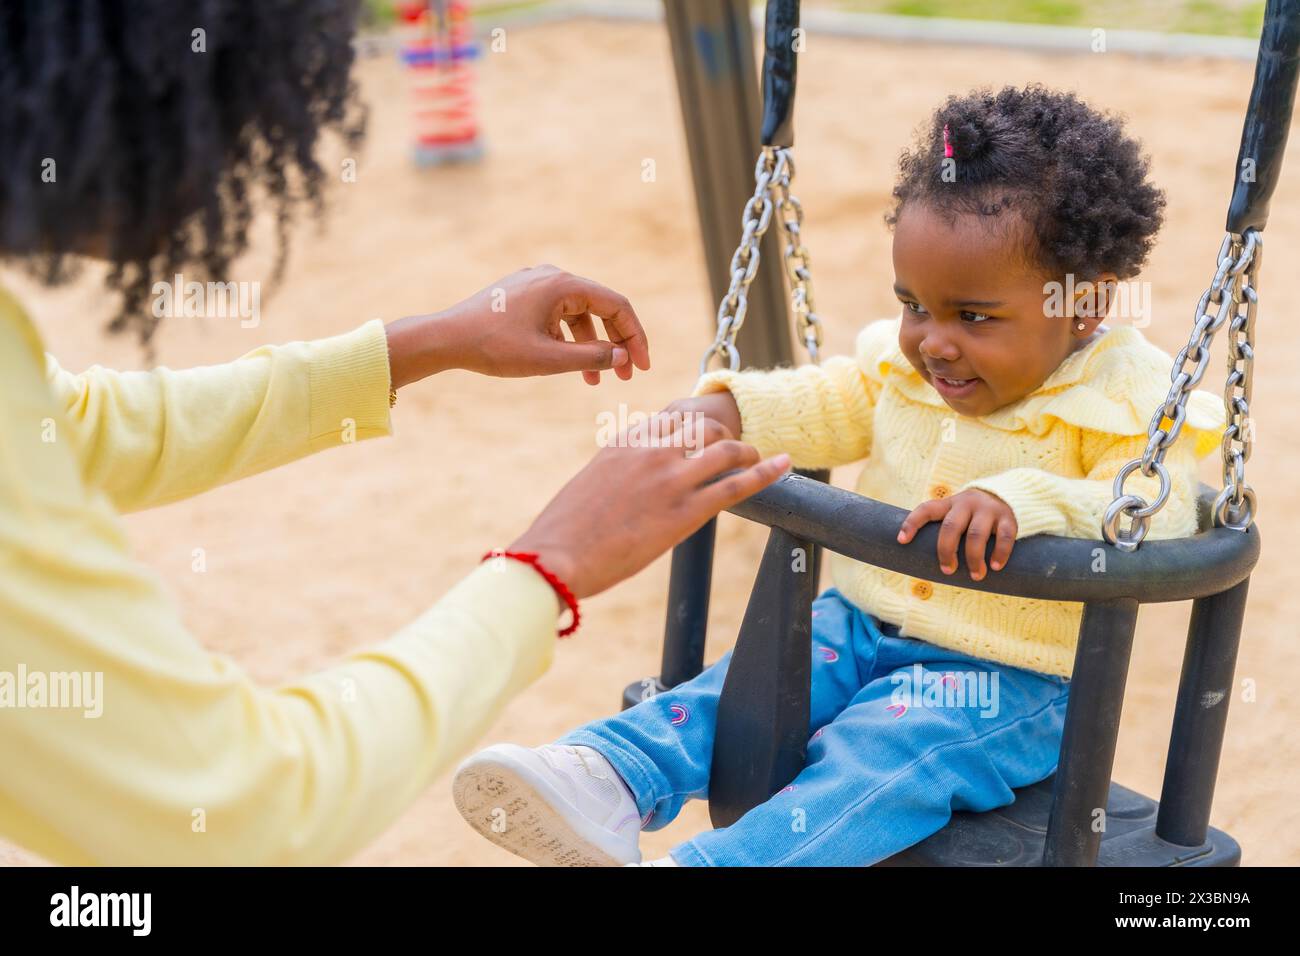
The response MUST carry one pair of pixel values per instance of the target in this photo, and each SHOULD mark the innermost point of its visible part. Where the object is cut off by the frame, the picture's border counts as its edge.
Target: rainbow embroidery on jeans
(829, 654)
(680, 715)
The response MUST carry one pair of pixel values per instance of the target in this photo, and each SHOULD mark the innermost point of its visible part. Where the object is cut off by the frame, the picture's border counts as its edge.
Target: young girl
(997, 403)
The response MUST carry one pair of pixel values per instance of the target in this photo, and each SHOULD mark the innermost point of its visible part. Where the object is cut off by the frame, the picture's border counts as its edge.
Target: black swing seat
(762, 723)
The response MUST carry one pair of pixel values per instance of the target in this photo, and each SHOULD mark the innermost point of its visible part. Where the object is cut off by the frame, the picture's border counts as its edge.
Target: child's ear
(1108, 284)
(1094, 299)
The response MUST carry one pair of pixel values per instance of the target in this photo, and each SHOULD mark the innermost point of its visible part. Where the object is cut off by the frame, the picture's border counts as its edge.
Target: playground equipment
(438, 50)
(762, 721)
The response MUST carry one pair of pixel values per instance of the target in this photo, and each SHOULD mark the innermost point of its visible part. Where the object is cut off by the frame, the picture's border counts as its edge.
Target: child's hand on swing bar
(977, 513)
(515, 328)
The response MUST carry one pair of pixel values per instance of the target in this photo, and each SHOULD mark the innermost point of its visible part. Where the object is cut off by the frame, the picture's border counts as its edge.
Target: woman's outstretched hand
(515, 328)
(631, 504)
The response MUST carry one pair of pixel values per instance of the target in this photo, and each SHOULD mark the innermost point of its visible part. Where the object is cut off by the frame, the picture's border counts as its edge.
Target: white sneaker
(552, 805)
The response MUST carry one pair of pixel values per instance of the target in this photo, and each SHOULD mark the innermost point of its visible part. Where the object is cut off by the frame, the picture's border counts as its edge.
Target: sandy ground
(331, 553)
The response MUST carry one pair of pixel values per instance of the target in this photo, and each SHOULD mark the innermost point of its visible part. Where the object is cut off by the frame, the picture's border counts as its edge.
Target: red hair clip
(947, 143)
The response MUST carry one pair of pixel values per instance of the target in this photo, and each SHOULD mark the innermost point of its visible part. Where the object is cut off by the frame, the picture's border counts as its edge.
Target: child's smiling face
(974, 321)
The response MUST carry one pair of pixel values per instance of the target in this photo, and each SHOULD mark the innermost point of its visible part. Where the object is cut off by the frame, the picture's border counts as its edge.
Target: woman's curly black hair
(143, 131)
(1077, 182)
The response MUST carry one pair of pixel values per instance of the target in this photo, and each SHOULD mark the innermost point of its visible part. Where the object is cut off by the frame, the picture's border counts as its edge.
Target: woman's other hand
(515, 328)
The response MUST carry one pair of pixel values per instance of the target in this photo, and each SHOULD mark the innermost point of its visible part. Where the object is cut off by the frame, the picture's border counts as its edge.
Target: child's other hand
(719, 406)
(978, 514)
(515, 328)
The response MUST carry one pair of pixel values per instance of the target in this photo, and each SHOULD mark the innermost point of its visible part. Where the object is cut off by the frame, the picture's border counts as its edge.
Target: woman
(125, 142)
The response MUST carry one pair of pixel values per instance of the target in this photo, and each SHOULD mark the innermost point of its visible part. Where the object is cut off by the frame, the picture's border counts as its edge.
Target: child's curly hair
(1077, 182)
(142, 131)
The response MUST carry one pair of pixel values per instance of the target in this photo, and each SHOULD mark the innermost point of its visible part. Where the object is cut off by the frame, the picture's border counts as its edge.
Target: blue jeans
(903, 733)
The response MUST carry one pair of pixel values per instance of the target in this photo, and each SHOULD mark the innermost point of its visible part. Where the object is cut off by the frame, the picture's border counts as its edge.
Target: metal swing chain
(798, 262)
(744, 263)
(1234, 285)
(1236, 504)
(772, 175)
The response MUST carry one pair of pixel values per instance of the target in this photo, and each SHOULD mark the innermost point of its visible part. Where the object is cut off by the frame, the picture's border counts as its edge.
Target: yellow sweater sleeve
(1046, 503)
(149, 438)
(821, 415)
(125, 742)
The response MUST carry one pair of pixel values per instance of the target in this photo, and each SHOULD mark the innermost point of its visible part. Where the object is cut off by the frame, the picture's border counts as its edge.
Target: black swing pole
(780, 70)
(1268, 118)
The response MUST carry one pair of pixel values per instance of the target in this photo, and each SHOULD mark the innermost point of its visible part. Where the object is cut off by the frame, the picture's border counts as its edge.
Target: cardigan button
(923, 590)
(940, 491)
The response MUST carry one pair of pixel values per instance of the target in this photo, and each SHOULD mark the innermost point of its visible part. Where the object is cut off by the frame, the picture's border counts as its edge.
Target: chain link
(1234, 286)
(772, 176)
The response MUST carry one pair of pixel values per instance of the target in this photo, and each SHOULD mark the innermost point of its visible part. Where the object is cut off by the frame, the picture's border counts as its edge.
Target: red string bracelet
(562, 589)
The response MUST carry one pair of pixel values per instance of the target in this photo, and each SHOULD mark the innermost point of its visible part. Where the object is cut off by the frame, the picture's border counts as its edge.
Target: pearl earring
(1080, 326)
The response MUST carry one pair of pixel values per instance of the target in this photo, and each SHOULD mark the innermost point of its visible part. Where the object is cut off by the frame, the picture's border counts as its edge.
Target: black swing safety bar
(763, 714)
